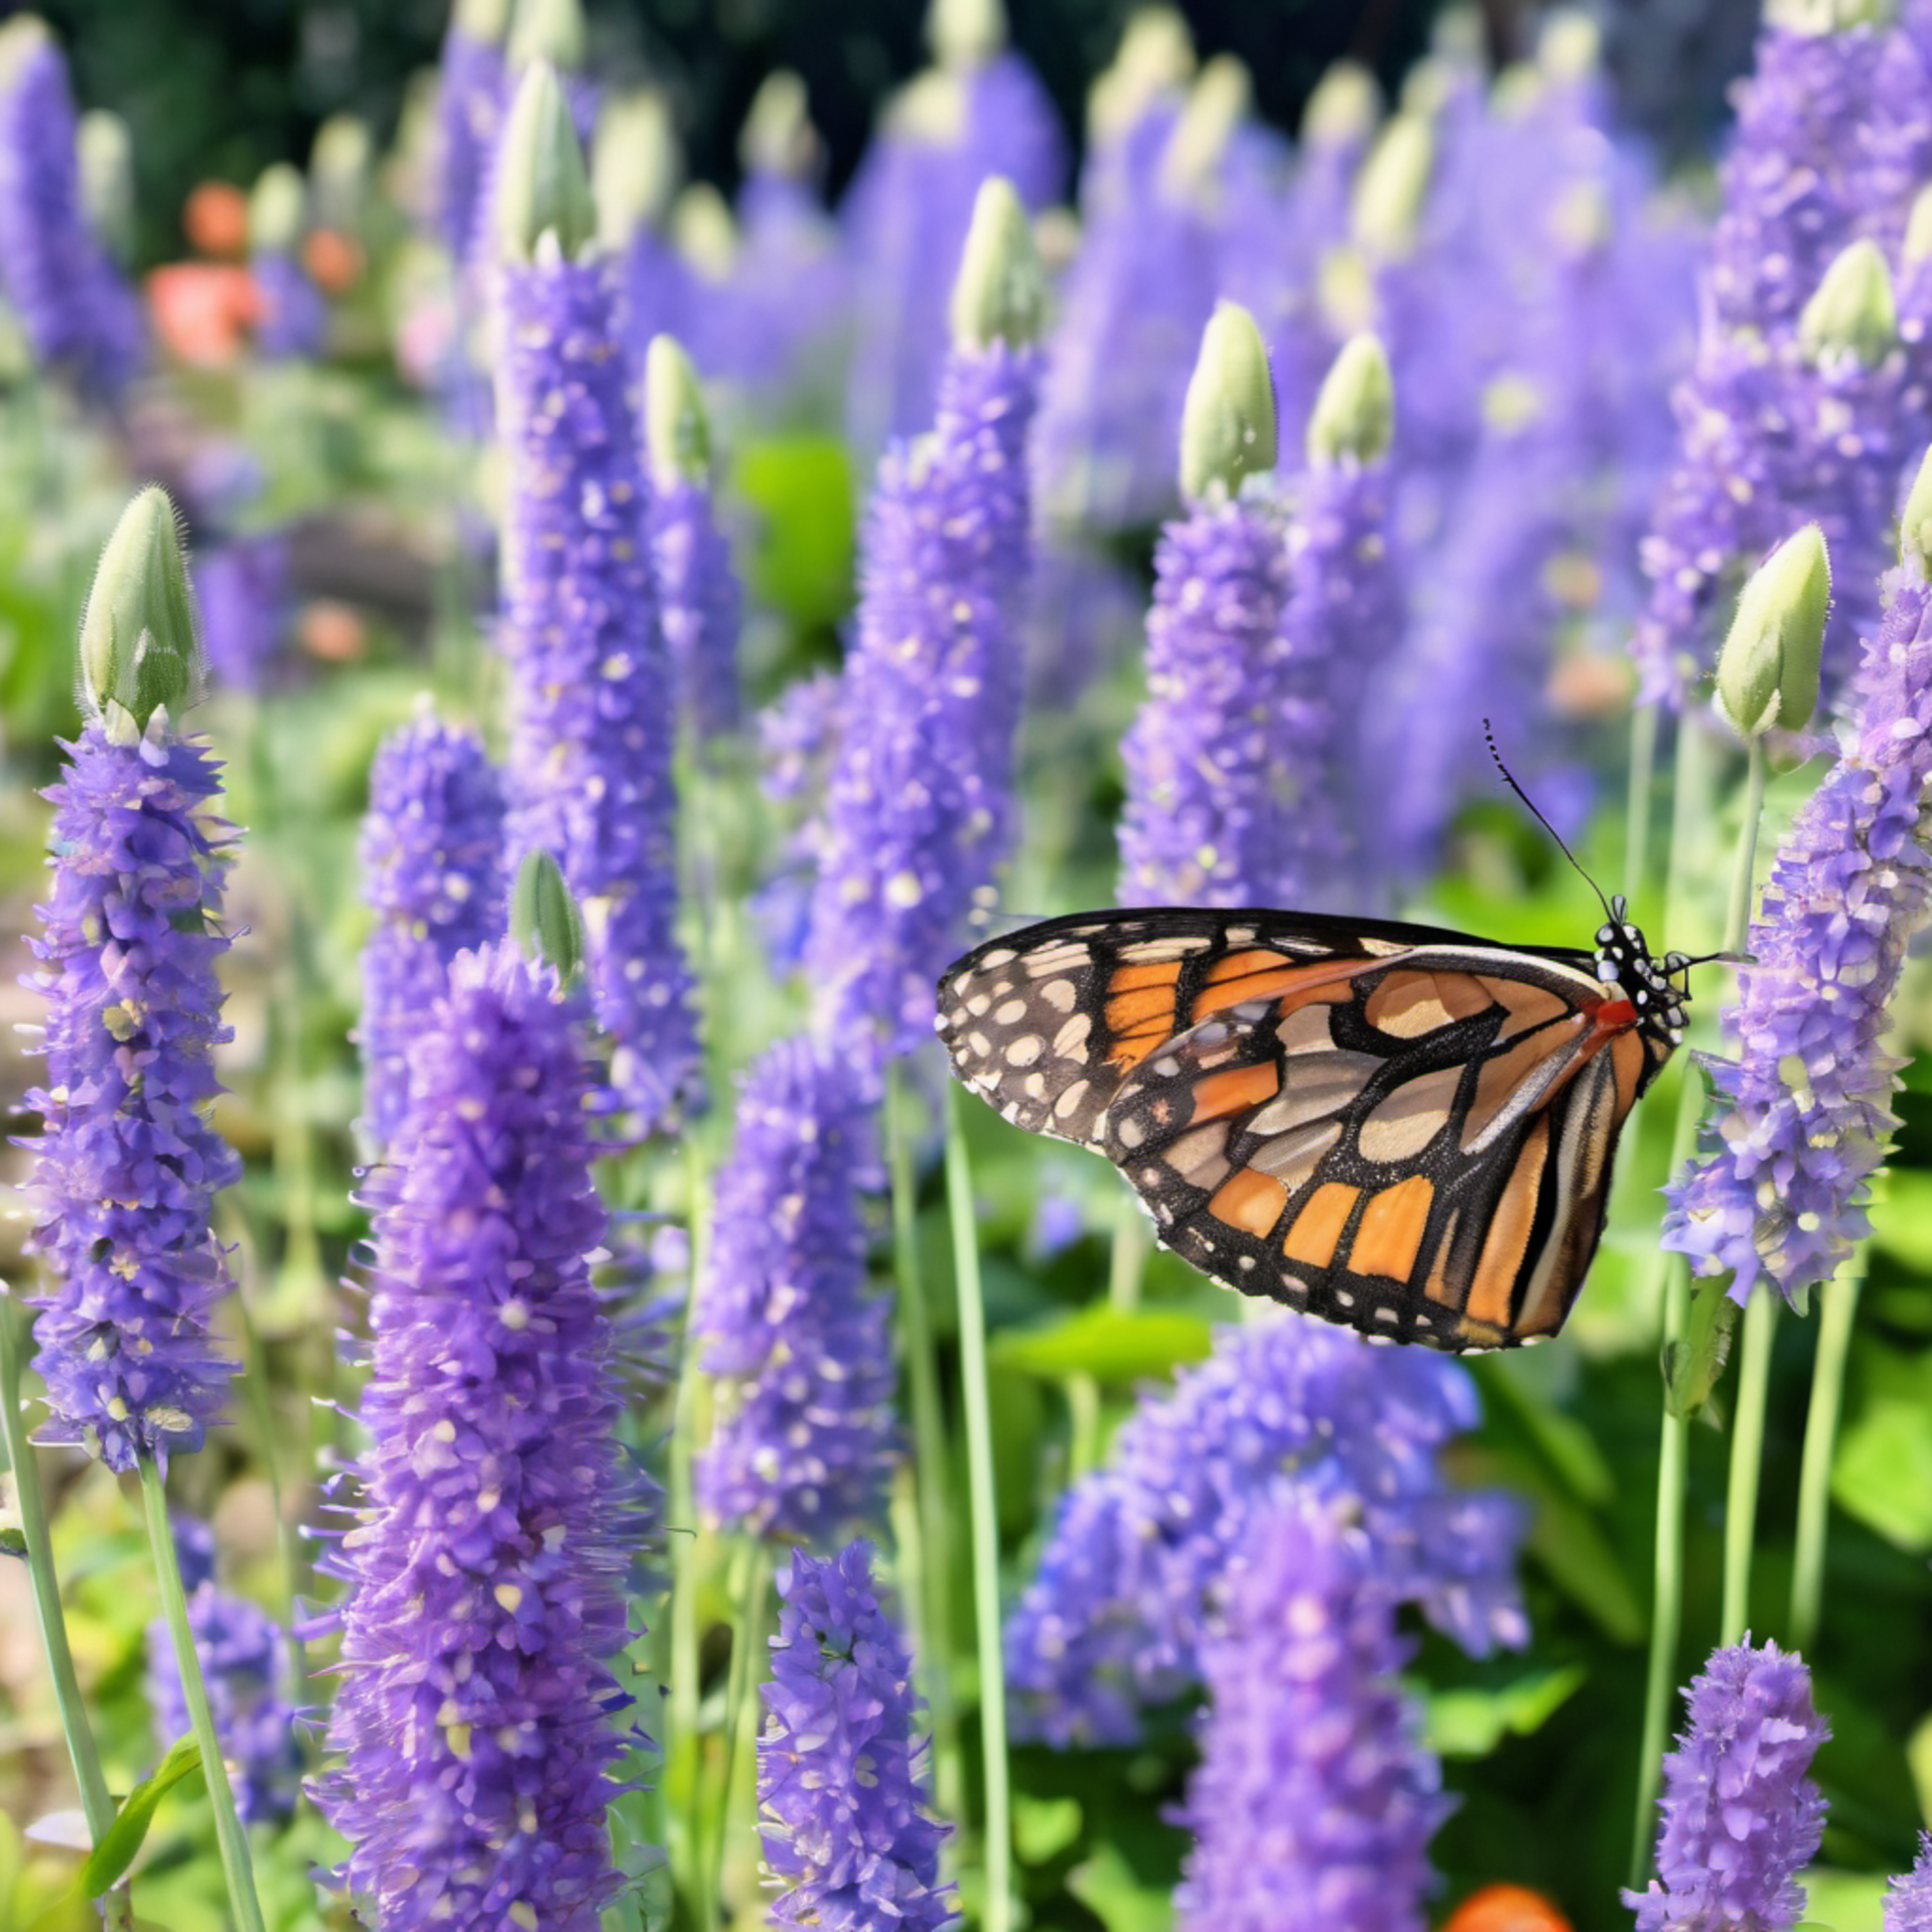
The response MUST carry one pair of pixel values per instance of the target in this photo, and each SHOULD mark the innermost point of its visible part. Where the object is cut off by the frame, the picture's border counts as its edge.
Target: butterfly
(1402, 1128)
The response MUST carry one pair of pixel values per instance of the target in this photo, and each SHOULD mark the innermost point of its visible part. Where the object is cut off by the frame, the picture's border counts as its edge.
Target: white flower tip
(999, 294)
(1227, 427)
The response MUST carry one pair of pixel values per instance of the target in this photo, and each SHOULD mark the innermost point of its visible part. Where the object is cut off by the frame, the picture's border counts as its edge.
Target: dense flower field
(531, 1396)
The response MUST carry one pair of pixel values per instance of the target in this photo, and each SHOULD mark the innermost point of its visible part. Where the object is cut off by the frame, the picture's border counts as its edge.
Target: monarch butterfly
(1401, 1128)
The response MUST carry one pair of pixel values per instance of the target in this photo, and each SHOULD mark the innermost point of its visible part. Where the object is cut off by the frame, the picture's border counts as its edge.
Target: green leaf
(1110, 1888)
(1845, 1901)
(1882, 1472)
(1471, 1723)
(1901, 1218)
(13, 1543)
(1693, 1366)
(108, 1862)
(1918, 1754)
(1043, 1828)
(1114, 1345)
(801, 563)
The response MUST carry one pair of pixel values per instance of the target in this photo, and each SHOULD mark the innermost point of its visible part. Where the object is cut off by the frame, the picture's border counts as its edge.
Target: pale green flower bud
(1217, 103)
(1345, 108)
(1353, 417)
(542, 186)
(1767, 671)
(105, 153)
(1853, 315)
(1156, 55)
(487, 21)
(1000, 293)
(1826, 16)
(1227, 427)
(551, 31)
(1571, 45)
(1918, 229)
(966, 32)
(635, 166)
(546, 922)
(677, 433)
(703, 231)
(1915, 520)
(278, 210)
(138, 646)
(1391, 186)
(339, 172)
(778, 137)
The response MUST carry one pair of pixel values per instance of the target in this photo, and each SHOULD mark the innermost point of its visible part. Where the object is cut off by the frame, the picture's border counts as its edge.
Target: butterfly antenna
(1509, 778)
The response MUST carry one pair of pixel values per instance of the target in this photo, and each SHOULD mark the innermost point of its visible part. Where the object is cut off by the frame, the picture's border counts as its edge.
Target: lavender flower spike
(691, 561)
(846, 1828)
(1908, 1900)
(127, 1166)
(468, 118)
(591, 736)
(920, 807)
(432, 854)
(294, 317)
(1740, 1817)
(485, 1574)
(1313, 1805)
(1210, 778)
(245, 1664)
(80, 315)
(1803, 1111)
(800, 1346)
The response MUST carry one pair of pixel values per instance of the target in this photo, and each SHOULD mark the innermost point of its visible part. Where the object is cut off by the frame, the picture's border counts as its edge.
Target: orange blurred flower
(331, 630)
(214, 219)
(1506, 1908)
(203, 310)
(334, 261)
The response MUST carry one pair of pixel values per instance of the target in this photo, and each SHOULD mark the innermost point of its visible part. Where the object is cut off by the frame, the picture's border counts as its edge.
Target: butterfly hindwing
(1392, 1127)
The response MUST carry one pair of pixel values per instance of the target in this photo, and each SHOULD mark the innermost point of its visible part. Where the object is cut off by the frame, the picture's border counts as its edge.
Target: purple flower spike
(920, 807)
(432, 854)
(1804, 1114)
(79, 313)
(242, 590)
(468, 119)
(485, 1572)
(1740, 1817)
(591, 736)
(691, 562)
(294, 317)
(1115, 1619)
(1313, 1805)
(801, 1344)
(846, 1828)
(127, 1166)
(245, 1664)
(1908, 1900)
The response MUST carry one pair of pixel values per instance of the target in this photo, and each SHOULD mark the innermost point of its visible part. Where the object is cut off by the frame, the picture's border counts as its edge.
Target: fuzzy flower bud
(1313, 1805)
(1342, 109)
(548, 32)
(1767, 672)
(1391, 187)
(485, 1573)
(294, 318)
(1000, 293)
(1915, 520)
(1853, 313)
(432, 854)
(126, 1167)
(799, 1341)
(545, 921)
(1227, 427)
(841, 1786)
(676, 432)
(1354, 418)
(1740, 1817)
(138, 650)
(542, 186)
(105, 151)
(278, 209)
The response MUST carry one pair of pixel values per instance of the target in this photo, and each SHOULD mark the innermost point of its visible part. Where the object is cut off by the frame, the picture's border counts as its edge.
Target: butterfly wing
(1392, 1127)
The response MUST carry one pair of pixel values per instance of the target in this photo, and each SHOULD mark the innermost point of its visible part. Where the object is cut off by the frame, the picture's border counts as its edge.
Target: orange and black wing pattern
(1393, 1127)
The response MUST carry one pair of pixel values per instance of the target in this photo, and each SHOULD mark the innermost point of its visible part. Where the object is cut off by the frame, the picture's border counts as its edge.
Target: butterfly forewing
(1387, 1126)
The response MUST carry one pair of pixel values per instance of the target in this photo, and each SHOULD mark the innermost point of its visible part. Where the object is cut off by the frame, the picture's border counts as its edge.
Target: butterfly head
(1623, 958)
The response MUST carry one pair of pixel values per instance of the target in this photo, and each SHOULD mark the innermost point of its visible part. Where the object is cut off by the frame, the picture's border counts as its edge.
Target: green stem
(1737, 915)
(1127, 1265)
(236, 1865)
(1838, 1307)
(997, 1829)
(1746, 1460)
(96, 1802)
(932, 1461)
(750, 1578)
(1636, 818)
(1083, 1411)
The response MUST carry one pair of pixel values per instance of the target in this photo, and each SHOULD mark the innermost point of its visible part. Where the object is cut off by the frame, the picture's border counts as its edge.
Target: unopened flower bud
(1353, 417)
(635, 165)
(1343, 108)
(106, 156)
(1767, 671)
(278, 210)
(676, 431)
(550, 31)
(1389, 189)
(966, 32)
(1853, 313)
(1000, 293)
(778, 136)
(1217, 103)
(1227, 427)
(1915, 520)
(138, 648)
(545, 920)
(543, 187)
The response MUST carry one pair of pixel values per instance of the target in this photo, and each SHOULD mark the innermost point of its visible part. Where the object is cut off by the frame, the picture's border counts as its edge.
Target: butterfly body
(1396, 1127)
